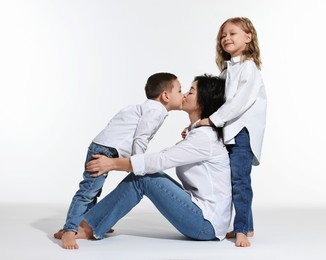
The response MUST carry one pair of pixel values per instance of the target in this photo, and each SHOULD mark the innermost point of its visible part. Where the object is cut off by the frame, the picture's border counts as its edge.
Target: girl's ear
(249, 37)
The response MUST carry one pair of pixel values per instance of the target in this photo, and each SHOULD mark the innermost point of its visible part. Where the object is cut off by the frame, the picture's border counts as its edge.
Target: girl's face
(190, 104)
(233, 39)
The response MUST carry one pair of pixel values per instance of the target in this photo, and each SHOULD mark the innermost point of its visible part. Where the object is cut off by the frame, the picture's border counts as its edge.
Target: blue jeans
(241, 158)
(89, 189)
(168, 196)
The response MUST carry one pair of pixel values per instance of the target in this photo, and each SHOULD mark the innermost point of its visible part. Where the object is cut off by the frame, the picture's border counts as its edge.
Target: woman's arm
(196, 147)
(102, 164)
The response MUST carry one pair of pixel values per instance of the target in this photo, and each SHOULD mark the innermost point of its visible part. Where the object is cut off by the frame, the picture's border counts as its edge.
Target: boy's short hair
(157, 83)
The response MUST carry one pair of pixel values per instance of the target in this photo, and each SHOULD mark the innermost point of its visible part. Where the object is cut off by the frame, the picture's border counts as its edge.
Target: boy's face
(175, 96)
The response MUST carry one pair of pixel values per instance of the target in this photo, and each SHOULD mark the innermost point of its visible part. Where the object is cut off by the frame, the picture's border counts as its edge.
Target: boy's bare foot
(68, 240)
(232, 235)
(241, 240)
(58, 235)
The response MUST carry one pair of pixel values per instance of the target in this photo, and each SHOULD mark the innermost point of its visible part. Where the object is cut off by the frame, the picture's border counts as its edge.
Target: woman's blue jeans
(167, 195)
(241, 158)
(89, 189)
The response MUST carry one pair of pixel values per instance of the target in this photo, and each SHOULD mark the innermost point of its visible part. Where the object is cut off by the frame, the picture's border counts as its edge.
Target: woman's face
(190, 104)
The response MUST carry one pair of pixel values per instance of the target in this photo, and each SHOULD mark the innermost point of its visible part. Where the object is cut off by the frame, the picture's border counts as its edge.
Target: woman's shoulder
(204, 133)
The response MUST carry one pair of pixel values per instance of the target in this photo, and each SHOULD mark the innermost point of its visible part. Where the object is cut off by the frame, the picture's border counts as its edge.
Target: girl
(243, 115)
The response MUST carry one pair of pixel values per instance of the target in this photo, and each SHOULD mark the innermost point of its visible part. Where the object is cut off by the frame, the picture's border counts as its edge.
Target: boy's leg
(241, 162)
(85, 198)
(171, 200)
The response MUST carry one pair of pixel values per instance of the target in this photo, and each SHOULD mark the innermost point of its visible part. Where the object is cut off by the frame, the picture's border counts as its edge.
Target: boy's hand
(101, 165)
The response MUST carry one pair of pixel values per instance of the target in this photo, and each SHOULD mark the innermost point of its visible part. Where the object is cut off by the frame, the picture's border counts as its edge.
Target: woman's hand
(101, 165)
(184, 133)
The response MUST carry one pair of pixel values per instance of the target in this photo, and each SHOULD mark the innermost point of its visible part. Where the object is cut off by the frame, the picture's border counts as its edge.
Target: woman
(201, 208)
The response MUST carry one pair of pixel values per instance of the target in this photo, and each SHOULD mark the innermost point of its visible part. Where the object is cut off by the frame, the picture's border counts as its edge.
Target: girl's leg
(241, 162)
(170, 199)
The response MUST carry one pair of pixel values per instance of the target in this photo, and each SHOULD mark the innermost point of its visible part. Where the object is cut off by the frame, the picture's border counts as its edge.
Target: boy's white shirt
(131, 129)
(245, 104)
(202, 165)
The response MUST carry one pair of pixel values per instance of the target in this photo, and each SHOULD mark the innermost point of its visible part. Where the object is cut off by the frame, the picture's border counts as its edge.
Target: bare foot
(58, 235)
(241, 240)
(68, 240)
(84, 231)
(232, 235)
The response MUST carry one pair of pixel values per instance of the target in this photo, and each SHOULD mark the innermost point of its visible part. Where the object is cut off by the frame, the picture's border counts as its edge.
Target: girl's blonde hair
(251, 52)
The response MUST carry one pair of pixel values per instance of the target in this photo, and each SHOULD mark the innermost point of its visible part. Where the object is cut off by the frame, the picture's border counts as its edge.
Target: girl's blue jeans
(89, 189)
(241, 158)
(167, 195)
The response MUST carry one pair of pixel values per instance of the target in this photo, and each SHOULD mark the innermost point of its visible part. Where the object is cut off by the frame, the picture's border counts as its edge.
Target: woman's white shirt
(203, 167)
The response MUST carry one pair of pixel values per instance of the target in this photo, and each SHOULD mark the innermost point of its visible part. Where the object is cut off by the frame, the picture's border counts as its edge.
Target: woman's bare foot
(68, 240)
(58, 235)
(241, 240)
(84, 231)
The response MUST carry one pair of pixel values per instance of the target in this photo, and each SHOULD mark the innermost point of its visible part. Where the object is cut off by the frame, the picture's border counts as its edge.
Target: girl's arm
(249, 85)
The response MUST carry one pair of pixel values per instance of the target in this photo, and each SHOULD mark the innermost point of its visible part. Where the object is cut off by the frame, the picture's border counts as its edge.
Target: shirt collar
(192, 126)
(158, 103)
(233, 61)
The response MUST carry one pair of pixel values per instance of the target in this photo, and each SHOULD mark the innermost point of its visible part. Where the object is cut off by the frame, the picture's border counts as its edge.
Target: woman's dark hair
(211, 96)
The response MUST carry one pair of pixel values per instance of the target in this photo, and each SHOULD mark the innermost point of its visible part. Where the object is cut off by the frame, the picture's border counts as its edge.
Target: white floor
(292, 233)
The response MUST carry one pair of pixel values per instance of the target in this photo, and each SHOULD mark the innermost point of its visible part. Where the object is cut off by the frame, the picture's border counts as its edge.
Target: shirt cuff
(217, 121)
(138, 164)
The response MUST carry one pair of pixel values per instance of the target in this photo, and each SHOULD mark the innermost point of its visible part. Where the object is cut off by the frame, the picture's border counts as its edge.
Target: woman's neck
(194, 117)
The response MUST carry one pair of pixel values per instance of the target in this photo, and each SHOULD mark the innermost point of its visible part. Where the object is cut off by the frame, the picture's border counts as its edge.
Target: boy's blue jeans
(241, 158)
(89, 189)
(167, 195)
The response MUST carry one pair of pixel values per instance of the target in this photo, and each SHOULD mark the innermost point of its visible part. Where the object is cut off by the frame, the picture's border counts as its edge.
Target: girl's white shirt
(245, 104)
(203, 167)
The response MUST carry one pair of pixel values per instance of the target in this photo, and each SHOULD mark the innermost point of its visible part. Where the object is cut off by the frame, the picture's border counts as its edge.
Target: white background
(66, 67)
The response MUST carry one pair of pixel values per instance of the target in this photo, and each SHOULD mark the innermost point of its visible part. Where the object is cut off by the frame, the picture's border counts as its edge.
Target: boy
(127, 133)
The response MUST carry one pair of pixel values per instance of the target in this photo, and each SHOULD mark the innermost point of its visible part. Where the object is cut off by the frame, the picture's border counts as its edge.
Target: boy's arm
(148, 125)
(248, 89)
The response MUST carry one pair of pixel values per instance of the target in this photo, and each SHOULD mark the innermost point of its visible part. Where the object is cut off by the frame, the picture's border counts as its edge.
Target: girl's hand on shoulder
(205, 121)
(101, 165)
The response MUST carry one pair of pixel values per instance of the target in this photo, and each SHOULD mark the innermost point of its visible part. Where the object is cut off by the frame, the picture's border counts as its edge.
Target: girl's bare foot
(232, 235)
(241, 240)
(68, 240)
